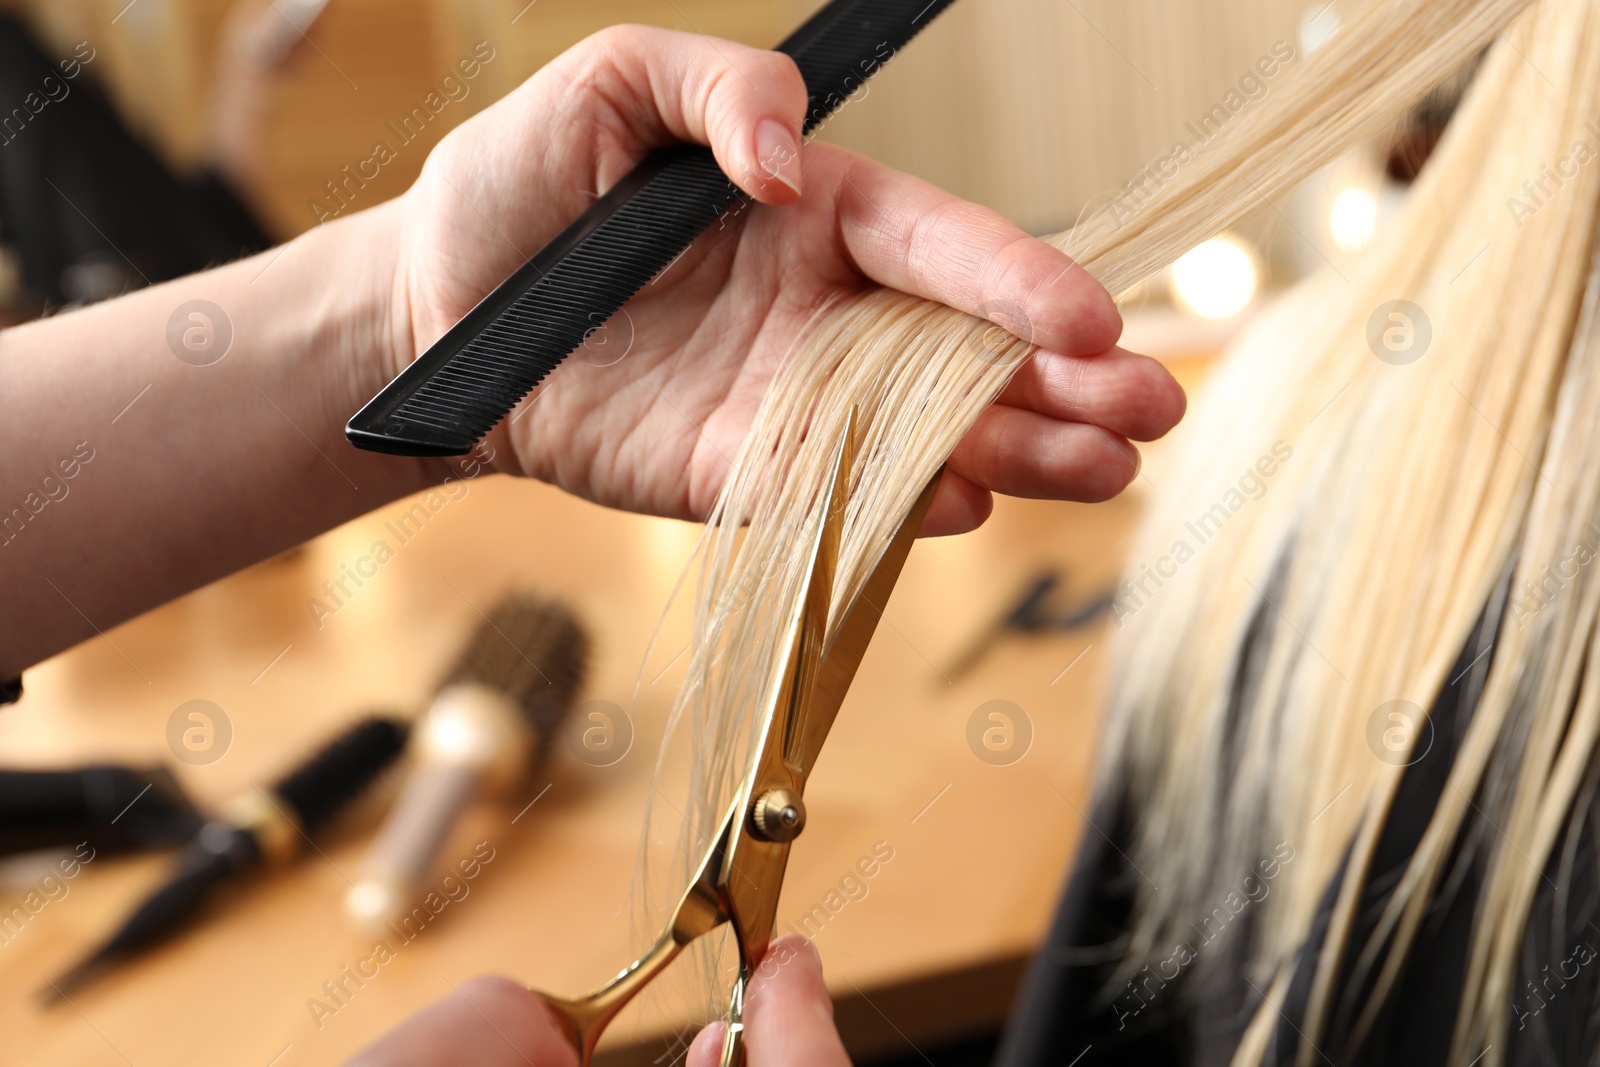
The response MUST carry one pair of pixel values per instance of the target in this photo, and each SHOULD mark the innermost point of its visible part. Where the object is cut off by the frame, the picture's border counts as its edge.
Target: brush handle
(471, 377)
(472, 738)
(403, 854)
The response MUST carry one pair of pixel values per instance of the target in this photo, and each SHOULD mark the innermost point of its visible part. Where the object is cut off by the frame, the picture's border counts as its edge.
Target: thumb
(788, 1016)
(746, 103)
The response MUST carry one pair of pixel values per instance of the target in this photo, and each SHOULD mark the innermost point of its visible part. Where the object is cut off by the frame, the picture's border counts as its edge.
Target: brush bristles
(535, 652)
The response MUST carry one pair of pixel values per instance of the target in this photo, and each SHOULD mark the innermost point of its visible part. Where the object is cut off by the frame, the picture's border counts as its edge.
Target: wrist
(405, 329)
(357, 330)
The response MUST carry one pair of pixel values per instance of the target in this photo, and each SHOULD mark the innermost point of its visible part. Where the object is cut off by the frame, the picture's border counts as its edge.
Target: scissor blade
(752, 875)
(816, 603)
(842, 657)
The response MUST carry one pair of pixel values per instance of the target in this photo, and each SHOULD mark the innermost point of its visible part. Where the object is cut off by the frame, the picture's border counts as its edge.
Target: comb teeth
(846, 42)
(478, 371)
(532, 650)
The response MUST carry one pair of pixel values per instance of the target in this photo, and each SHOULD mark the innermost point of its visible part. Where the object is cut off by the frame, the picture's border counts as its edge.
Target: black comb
(478, 371)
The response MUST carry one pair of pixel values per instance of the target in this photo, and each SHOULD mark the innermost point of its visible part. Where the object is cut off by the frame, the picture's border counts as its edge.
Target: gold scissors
(741, 875)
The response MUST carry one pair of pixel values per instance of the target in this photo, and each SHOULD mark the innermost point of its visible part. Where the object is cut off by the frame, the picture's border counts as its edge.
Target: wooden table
(932, 950)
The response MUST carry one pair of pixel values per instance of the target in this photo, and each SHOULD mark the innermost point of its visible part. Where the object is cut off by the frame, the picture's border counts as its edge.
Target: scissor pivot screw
(778, 815)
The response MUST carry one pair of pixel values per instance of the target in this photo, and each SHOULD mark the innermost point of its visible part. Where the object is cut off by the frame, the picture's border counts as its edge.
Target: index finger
(913, 236)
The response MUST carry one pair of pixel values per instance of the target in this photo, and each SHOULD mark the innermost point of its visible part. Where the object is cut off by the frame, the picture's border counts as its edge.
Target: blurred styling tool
(486, 363)
(1033, 612)
(110, 808)
(741, 875)
(271, 825)
(489, 727)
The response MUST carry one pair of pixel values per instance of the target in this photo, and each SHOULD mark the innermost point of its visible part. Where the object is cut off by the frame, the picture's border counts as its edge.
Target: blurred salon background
(145, 139)
(265, 116)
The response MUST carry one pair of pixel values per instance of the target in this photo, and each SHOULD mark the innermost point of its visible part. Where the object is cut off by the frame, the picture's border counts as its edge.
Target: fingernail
(778, 152)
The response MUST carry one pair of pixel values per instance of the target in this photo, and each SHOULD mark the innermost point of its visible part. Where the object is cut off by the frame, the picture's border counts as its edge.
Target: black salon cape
(1064, 1016)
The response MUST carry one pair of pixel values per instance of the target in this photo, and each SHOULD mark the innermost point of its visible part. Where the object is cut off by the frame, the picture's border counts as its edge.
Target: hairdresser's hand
(788, 1018)
(489, 1022)
(486, 1022)
(654, 431)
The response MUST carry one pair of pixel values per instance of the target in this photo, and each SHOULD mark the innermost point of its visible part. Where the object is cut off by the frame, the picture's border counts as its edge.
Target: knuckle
(624, 37)
(780, 71)
(1024, 266)
(1065, 382)
(718, 98)
(613, 52)
(742, 80)
(589, 62)
(921, 250)
(992, 453)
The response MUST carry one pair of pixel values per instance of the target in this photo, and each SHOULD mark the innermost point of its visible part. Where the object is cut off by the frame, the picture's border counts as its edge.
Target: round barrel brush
(270, 825)
(495, 714)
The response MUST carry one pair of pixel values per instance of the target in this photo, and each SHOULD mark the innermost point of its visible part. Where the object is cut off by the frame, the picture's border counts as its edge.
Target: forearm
(132, 475)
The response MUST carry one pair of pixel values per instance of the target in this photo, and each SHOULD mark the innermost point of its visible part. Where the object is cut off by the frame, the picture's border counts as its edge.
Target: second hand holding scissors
(741, 875)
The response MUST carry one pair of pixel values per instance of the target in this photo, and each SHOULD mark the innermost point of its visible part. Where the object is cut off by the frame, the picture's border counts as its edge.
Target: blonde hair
(1252, 700)
(1375, 549)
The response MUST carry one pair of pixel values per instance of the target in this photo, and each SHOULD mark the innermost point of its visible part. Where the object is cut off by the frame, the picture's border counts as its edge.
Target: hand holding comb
(487, 362)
